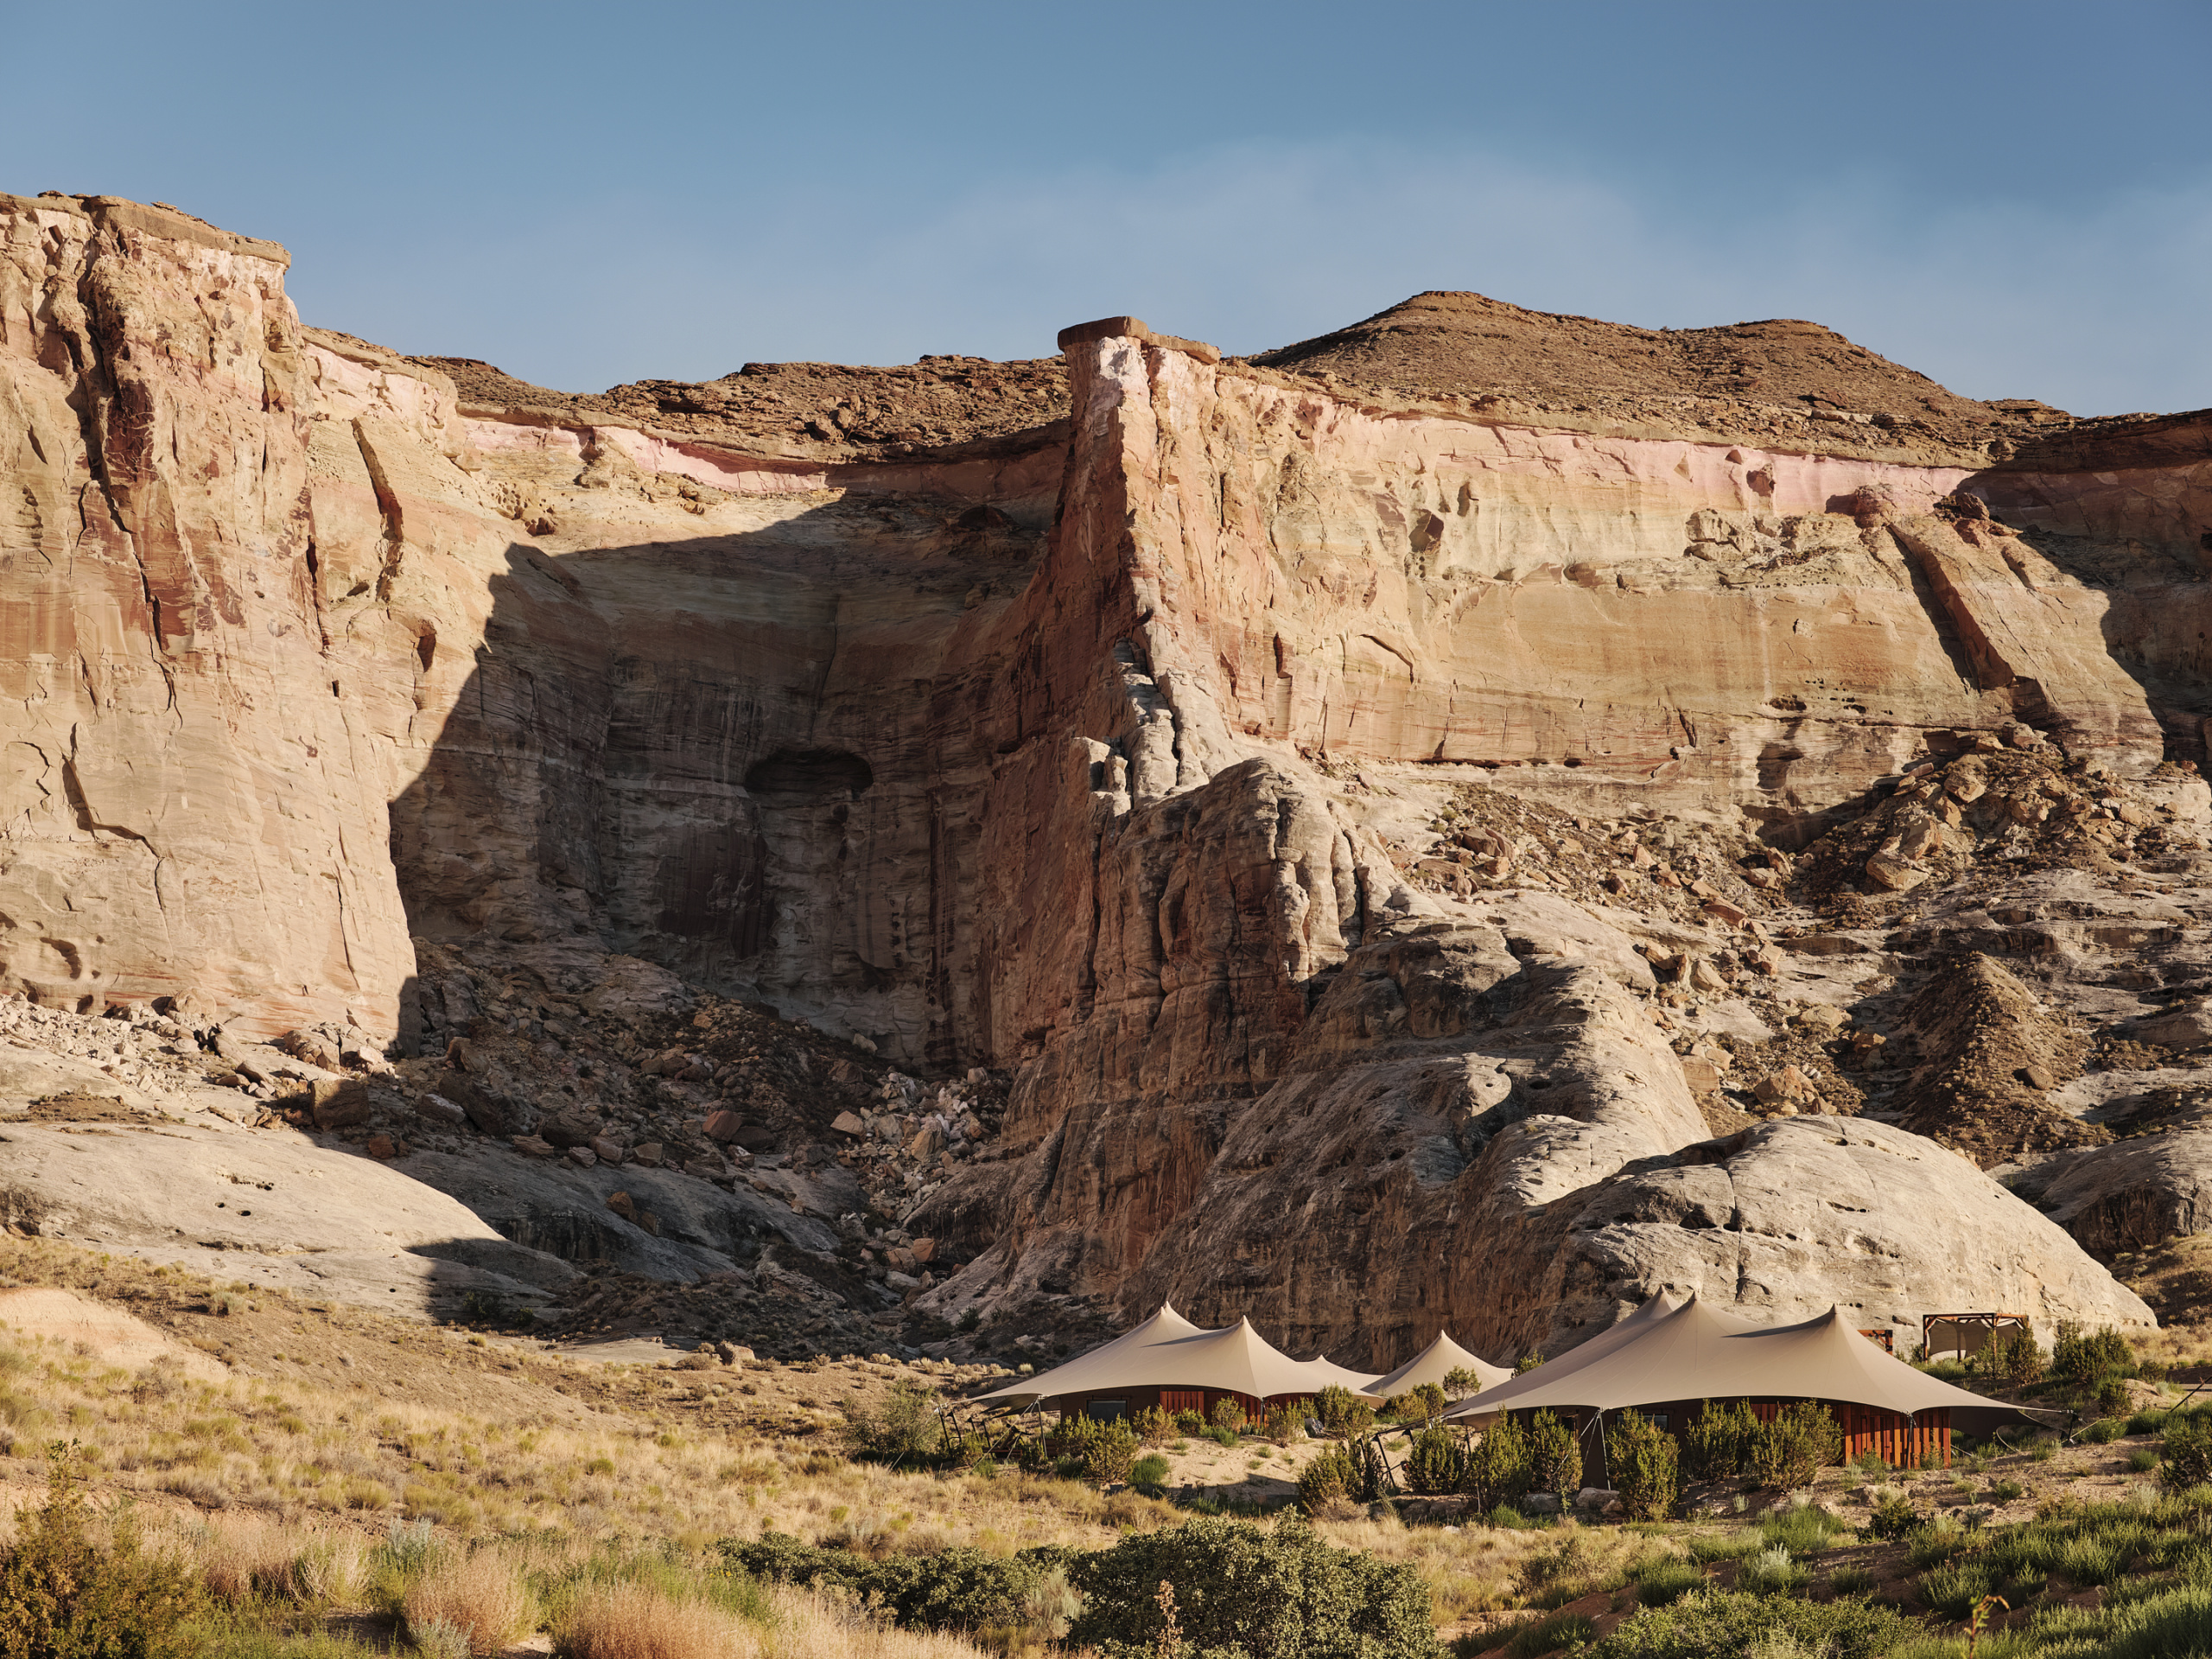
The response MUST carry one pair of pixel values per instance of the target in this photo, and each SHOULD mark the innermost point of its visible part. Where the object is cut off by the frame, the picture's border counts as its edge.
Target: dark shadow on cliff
(725, 755)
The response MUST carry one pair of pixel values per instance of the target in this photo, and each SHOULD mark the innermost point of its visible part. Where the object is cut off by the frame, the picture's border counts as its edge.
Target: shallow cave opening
(809, 775)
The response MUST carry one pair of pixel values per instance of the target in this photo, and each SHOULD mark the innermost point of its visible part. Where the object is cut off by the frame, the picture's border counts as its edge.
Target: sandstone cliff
(1095, 723)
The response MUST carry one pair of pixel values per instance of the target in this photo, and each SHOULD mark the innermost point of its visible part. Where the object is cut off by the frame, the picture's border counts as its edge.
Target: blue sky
(2014, 198)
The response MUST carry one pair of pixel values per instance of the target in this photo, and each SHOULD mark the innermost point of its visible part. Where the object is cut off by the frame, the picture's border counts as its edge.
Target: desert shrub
(1770, 1573)
(480, 1594)
(1555, 1459)
(2083, 1359)
(1459, 1382)
(1421, 1405)
(1707, 1625)
(1283, 1424)
(1953, 1588)
(1327, 1481)
(2004, 1491)
(2143, 1459)
(1149, 1472)
(1527, 1363)
(2149, 1421)
(1937, 1542)
(1789, 1451)
(1641, 1460)
(1549, 1634)
(1716, 1443)
(2187, 1446)
(1850, 1580)
(1436, 1462)
(1100, 1453)
(904, 1428)
(1496, 1471)
(2012, 1357)
(1665, 1579)
(1228, 1413)
(1725, 1546)
(1804, 1530)
(64, 1594)
(1190, 1422)
(1265, 1592)
(2104, 1432)
(1893, 1517)
(1220, 1435)
(1342, 1411)
(961, 1589)
(1154, 1427)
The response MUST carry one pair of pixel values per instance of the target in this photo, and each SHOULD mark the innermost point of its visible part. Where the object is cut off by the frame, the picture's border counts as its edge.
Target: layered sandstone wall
(190, 801)
(1029, 752)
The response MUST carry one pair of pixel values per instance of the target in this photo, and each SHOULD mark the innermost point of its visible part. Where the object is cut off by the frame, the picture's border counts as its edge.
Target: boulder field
(1466, 822)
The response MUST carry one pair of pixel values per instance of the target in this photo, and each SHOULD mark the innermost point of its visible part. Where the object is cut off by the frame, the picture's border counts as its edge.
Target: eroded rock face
(1037, 748)
(1808, 1211)
(188, 803)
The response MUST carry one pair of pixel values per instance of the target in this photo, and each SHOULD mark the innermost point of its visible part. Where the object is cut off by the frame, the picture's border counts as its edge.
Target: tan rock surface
(1104, 751)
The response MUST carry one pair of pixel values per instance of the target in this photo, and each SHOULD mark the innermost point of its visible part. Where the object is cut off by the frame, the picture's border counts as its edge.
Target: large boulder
(1784, 1219)
(2129, 1196)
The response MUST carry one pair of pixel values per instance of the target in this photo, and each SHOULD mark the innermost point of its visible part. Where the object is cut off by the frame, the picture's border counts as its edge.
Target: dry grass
(244, 1557)
(481, 1594)
(637, 1621)
(806, 1626)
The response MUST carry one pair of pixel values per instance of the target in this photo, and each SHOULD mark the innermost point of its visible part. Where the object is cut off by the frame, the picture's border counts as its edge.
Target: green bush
(1893, 1517)
(1716, 1443)
(1436, 1463)
(1342, 1411)
(1789, 1451)
(1803, 1530)
(1228, 1413)
(1264, 1592)
(1722, 1625)
(1149, 1472)
(1220, 1435)
(1850, 1580)
(1105, 1450)
(1283, 1425)
(1422, 1405)
(1665, 1579)
(1497, 1465)
(1555, 1459)
(1154, 1427)
(2005, 1491)
(958, 1589)
(1640, 1461)
(65, 1596)
(1770, 1573)
(904, 1428)
(1190, 1422)
(2012, 1357)
(1550, 1635)
(1459, 1382)
(2187, 1444)
(2085, 1360)
(1328, 1481)
(2143, 1459)
(1953, 1588)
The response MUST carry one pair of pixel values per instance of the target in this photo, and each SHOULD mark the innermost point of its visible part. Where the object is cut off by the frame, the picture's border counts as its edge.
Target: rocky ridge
(1202, 773)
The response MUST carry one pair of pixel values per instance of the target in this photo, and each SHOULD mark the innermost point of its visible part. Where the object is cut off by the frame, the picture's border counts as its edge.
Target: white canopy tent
(1662, 1355)
(1168, 1352)
(1432, 1364)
